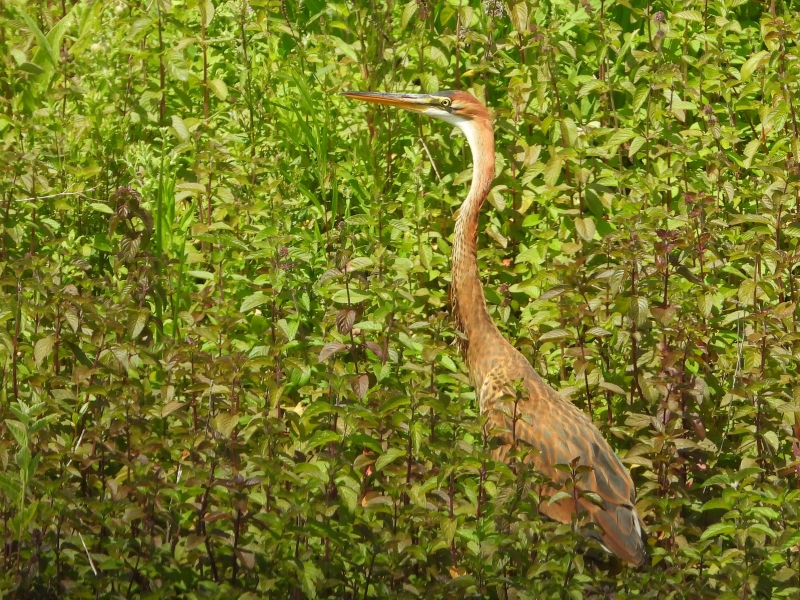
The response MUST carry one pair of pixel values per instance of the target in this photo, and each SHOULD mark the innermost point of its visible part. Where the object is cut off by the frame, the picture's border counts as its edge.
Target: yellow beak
(412, 102)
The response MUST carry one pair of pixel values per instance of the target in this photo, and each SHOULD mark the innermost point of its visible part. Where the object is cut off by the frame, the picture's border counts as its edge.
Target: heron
(559, 432)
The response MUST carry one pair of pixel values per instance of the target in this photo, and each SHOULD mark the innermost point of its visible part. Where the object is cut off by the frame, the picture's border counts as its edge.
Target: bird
(558, 431)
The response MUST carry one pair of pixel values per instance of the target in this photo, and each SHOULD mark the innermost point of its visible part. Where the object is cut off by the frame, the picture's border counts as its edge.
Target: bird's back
(559, 432)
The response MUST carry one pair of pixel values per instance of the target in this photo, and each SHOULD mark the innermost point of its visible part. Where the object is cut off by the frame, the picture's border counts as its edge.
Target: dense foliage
(226, 360)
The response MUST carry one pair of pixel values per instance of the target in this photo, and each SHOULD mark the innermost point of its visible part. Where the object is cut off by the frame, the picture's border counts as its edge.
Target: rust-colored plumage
(552, 425)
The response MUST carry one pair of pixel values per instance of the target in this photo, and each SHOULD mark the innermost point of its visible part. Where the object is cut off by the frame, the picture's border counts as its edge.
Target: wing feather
(561, 433)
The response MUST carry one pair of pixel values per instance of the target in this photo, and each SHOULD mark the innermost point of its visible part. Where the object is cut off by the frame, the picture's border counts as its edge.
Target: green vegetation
(227, 367)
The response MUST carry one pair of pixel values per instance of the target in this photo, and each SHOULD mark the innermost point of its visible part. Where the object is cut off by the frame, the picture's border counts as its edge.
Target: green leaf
(417, 496)
(792, 540)
(206, 11)
(585, 228)
(41, 423)
(360, 385)
(319, 407)
(437, 56)
(311, 576)
(430, 82)
(718, 529)
(366, 441)
(345, 48)
(554, 292)
(747, 473)
(496, 199)
(640, 97)
(176, 65)
(689, 15)
(590, 86)
(612, 387)
(101, 208)
(552, 170)
(254, 300)
(360, 263)
(56, 35)
(639, 310)
(19, 431)
(43, 348)
(752, 147)
(330, 349)
(753, 63)
(206, 275)
(137, 322)
(519, 16)
(569, 131)
(225, 423)
(761, 528)
(620, 137)
(44, 45)
(636, 145)
(180, 129)
(219, 88)
(554, 334)
(10, 488)
(409, 10)
(717, 503)
(24, 517)
(288, 328)
(566, 46)
(388, 457)
(322, 437)
(171, 407)
(448, 363)
(425, 255)
(394, 404)
(353, 298)
(400, 224)
(349, 495)
(31, 68)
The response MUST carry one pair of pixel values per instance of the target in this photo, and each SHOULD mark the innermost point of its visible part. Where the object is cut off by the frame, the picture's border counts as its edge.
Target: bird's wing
(560, 432)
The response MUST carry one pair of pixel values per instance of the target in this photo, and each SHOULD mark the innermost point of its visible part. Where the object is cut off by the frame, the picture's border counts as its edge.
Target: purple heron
(556, 428)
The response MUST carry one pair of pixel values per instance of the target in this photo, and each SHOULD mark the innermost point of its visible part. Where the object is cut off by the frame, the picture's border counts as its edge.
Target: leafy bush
(226, 360)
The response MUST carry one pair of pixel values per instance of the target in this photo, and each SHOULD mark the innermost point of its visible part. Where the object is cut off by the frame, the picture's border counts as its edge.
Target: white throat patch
(464, 124)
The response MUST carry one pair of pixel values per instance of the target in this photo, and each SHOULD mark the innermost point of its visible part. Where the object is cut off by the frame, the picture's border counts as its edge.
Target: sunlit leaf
(718, 529)
(585, 228)
(206, 11)
(180, 129)
(360, 385)
(753, 63)
(388, 457)
(330, 349)
(321, 438)
(44, 44)
(254, 300)
(225, 423)
(219, 88)
(43, 348)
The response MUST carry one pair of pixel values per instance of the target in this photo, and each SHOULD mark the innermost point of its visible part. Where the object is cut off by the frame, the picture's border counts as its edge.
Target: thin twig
(433, 164)
(210, 404)
(57, 195)
(78, 443)
(91, 562)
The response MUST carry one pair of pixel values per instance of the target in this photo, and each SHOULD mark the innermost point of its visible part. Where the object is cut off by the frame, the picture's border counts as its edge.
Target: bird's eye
(446, 102)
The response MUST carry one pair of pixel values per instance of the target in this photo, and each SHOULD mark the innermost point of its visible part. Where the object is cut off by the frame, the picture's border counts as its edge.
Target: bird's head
(454, 107)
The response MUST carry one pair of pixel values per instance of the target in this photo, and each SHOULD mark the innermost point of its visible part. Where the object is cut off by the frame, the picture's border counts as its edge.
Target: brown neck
(469, 303)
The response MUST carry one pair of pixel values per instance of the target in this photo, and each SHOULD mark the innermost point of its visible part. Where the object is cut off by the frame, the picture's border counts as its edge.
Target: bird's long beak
(412, 102)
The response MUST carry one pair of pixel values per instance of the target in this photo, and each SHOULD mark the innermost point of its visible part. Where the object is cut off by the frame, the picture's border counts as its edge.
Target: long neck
(467, 296)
